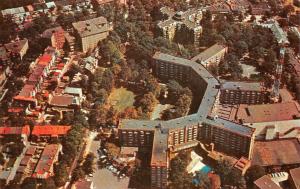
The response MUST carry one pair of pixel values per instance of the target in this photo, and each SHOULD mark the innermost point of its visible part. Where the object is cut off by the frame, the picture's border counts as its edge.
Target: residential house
(19, 133)
(44, 167)
(49, 132)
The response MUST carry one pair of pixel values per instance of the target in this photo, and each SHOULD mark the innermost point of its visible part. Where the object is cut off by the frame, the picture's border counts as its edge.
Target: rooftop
(16, 46)
(83, 184)
(92, 26)
(49, 32)
(61, 100)
(187, 18)
(295, 177)
(15, 130)
(231, 126)
(276, 152)
(265, 182)
(53, 130)
(73, 90)
(47, 159)
(160, 148)
(243, 86)
(268, 112)
(208, 53)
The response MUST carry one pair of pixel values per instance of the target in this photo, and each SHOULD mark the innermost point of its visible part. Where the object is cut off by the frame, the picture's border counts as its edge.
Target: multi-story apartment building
(211, 56)
(56, 36)
(90, 32)
(181, 26)
(243, 93)
(224, 139)
(17, 49)
(166, 137)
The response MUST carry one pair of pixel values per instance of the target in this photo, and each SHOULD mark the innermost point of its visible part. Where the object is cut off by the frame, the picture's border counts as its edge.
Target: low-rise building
(211, 56)
(49, 132)
(20, 133)
(83, 184)
(90, 32)
(44, 167)
(265, 182)
(277, 155)
(267, 112)
(294, 178)
(56, 36)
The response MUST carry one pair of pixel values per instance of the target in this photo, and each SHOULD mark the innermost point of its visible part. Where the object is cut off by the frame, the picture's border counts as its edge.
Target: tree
(147, 102)
(29, 183)
(78, 174)
(60, 174)
(254, 173)
(88, 165)
(229, 175)
(2, 160)
(179, 178)
(48, 183)
(204, 181)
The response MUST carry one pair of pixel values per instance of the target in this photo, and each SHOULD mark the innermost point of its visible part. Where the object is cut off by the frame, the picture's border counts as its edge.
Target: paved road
(103, 178)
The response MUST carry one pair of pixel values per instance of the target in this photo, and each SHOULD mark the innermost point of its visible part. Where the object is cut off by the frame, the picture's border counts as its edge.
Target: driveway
(103, 178)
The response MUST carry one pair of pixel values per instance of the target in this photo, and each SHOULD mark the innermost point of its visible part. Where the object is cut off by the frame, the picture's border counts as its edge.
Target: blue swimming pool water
(205, 170)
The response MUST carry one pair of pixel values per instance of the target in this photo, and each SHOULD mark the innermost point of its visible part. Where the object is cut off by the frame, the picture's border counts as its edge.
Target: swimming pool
(204, 170)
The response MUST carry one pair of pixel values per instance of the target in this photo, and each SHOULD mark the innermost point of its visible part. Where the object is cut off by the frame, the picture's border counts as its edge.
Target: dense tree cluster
(6, 4)
(243, 41)
(181, 97)
(72, 145)
(252, 174)
(229, 175)
(180, 179)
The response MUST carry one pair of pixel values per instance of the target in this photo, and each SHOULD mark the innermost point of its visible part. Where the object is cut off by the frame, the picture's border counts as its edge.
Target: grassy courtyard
(121, 98)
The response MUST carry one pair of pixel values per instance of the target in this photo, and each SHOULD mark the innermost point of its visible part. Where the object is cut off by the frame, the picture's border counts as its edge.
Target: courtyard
(121, 98)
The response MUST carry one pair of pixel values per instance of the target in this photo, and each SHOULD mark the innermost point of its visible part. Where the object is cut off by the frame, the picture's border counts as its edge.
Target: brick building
(49, 132)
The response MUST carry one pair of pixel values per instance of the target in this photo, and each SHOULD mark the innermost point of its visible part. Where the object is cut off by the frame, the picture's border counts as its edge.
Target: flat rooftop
(231, 126)
(243, 86)
(276, 153)
(91, 27)
(209, 52)
(160, 148)
(265, 182)
(267, 112)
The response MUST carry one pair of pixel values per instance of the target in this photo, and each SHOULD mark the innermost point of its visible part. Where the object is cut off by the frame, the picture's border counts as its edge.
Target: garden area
(121, 98)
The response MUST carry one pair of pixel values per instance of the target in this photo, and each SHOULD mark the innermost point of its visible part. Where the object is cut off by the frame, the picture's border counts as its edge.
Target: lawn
(121, 98)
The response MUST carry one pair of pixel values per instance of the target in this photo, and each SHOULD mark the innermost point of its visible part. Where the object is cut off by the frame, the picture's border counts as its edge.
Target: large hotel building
(182, 133)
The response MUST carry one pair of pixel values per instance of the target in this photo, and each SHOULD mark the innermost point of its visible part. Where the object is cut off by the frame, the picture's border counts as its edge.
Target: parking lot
(104, 178)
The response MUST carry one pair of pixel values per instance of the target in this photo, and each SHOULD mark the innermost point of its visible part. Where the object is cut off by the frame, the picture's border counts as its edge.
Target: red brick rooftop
(53, 130)
(267, 112)
(276, 153)
(15, 130)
